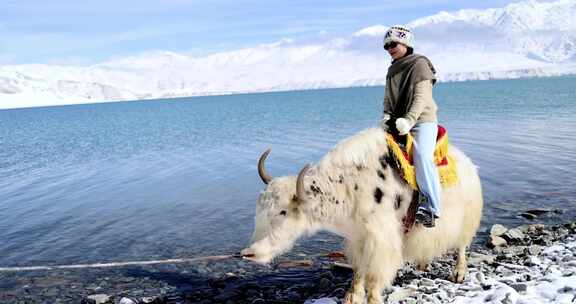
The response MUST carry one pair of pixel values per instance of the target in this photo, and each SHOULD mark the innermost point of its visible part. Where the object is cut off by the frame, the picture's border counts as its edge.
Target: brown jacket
(408, 91)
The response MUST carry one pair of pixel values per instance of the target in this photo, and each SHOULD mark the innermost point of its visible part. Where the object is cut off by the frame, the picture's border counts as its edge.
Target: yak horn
(261, 171)
(300, 192)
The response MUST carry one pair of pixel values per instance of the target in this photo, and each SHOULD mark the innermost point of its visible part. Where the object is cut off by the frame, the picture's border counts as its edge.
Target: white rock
(480, 277)
(476, 258)
(514, 234)
(99, 298)
(553, 249)
(400, 294)
(534, 260)
(321, 301)
(498, 230)
(126, 301)
(496, 241)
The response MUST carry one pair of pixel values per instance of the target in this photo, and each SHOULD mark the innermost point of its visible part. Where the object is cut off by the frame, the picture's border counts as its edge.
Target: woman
(410, 107)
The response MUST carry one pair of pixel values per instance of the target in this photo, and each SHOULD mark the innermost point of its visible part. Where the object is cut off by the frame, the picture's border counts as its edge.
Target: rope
(118, 264)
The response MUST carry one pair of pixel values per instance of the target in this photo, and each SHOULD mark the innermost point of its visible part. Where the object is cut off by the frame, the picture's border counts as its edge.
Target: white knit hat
(400, 34)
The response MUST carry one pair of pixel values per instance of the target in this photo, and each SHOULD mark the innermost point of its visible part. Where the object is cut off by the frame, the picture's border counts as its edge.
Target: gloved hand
(384, 120)
(403, 125)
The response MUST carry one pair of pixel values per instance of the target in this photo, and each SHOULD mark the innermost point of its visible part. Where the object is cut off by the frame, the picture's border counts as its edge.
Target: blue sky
(88, 31)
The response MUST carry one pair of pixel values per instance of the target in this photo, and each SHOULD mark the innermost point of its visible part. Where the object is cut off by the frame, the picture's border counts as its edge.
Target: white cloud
(376, 30)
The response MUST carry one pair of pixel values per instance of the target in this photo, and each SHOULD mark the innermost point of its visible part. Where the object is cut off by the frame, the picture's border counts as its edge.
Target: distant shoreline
(481, 76)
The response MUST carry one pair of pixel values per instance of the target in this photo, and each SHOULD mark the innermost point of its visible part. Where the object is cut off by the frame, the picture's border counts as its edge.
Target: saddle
(401, 148)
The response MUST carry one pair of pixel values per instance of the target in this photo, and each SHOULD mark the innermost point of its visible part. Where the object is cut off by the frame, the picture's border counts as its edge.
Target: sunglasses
(390, 45)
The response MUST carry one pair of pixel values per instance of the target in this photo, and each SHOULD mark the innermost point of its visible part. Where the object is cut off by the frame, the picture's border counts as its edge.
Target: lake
(177, 178)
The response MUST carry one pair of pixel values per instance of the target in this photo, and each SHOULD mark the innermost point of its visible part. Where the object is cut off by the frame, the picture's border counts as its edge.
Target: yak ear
(300, 192)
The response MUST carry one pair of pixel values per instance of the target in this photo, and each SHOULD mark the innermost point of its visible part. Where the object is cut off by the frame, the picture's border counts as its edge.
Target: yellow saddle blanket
(445, 163)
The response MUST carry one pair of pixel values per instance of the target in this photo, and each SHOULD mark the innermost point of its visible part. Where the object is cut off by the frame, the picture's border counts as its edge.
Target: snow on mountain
(523, 39)
(545, 31)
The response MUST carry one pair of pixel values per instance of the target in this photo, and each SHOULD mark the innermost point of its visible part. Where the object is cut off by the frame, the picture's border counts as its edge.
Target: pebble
(496, 241)
(400, 295)
(533, 261)
(480, 278)
(322, 301)
(477, 258)
(566, 289)
(498, 230)
(324, 284)
(513, 235)
(519, 287)
(101, 298)
(534, 250)
(427, 282)
(553, 249)
(410, 301)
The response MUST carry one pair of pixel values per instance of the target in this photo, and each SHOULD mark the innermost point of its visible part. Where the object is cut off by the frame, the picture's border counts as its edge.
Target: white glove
(403, 126)
(384, 120)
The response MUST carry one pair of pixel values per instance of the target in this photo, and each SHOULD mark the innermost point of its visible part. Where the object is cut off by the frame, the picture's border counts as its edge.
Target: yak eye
(283, 212)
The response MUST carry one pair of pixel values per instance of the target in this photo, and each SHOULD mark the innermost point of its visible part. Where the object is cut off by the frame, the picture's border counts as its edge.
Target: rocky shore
(527, 264)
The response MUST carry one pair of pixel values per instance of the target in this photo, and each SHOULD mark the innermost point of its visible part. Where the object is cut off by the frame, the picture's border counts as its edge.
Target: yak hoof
(352, 298)
(422, 267)
(459, 275)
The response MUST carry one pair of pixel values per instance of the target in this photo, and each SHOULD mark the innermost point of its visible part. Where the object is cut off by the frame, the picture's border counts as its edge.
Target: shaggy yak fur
(356, 192)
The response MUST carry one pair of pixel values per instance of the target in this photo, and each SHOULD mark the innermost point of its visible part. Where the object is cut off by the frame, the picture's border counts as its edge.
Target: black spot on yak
(355, 187)
(359, 168)
(381, 175)
(341, 179)
(337, 202)
(378, 195)
(315, 190)
(388, 160)
(384, 161)
(398, 201)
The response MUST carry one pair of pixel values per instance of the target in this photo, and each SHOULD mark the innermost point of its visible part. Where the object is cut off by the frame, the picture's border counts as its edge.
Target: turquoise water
(177, 178)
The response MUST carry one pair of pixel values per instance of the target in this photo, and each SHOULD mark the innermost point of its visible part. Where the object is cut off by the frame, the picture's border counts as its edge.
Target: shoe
(425, 217)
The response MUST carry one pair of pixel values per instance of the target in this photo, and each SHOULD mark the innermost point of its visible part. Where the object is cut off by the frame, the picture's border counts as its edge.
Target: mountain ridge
(523, 39)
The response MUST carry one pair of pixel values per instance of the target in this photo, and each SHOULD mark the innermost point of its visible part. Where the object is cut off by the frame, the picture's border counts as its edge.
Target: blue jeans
(426, 172)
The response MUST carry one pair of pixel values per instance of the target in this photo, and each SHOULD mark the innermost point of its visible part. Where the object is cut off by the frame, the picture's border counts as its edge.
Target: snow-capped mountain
(542, 30)
(529, 38)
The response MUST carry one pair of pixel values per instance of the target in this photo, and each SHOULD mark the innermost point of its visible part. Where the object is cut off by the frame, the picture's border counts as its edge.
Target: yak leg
(356, 293)
(461, 268)
(374, 287)
(382, 254)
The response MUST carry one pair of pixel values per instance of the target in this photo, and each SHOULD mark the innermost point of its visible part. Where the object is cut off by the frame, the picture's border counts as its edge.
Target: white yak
(356, 192)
